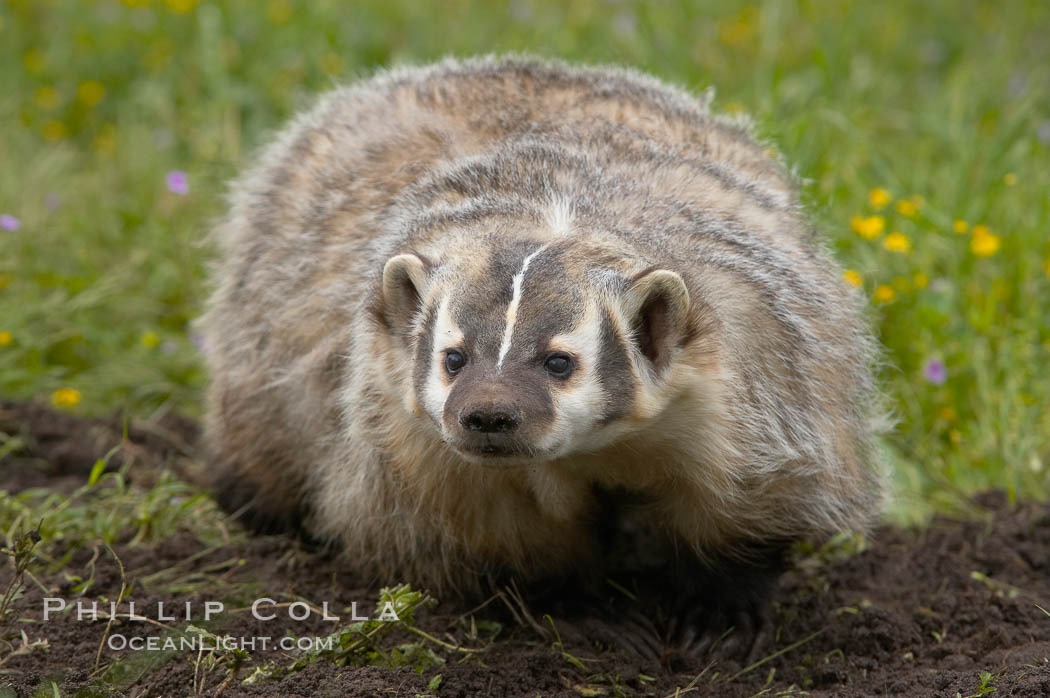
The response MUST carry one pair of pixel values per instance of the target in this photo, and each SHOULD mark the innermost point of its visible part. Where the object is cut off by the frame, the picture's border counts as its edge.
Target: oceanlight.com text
(226, 643)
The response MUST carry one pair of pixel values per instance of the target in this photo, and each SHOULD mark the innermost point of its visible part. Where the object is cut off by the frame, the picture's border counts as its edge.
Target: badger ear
(656, 305)
(404, 284)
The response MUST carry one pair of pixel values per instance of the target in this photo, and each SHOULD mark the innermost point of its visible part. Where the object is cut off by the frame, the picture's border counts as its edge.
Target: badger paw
(720, 609)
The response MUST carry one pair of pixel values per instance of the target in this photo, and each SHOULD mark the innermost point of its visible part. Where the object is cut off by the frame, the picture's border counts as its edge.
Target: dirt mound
(953, 609)
(57, 449)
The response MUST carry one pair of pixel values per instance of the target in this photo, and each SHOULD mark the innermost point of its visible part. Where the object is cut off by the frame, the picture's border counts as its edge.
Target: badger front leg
(720, 605)
(679, 604)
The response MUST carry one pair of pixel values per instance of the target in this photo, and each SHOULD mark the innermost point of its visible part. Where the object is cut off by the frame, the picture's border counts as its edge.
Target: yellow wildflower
(897, 242)
(920, 280)
(878, 198)
(852, 277)
(948, 414)
(150, 339)
(960, 227)
(6, 338)
(181, 6)
(65, 397)
(868, 228)
(279, 11)
(884, 293)
(979, 230)
(906, 208)
(46, 97)
(956, 436)
(91, 92)
(739, 30)
(985, 245)
(54, 130)
(1010, 179)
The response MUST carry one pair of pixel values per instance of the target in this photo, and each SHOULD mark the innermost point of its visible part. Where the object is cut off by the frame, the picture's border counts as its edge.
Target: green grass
(946, 100)
(108, 510)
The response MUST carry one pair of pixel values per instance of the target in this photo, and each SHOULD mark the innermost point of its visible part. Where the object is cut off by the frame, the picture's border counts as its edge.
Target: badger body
(455, 304)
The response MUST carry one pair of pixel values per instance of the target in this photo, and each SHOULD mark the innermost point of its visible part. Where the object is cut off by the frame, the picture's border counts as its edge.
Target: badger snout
(490, 419)
(495, 417)
(490, 430)
(491, 433)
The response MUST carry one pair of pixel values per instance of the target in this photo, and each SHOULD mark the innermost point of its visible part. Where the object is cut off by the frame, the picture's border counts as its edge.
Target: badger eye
(454, 362)
(559, 365)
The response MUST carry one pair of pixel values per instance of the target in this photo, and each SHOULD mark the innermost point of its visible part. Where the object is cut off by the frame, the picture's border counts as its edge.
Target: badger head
(535, 349)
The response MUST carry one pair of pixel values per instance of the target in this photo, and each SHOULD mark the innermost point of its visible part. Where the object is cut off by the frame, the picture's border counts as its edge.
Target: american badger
(457, 305)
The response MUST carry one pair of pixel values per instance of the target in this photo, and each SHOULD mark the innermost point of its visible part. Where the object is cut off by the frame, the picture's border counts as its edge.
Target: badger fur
(455, 304)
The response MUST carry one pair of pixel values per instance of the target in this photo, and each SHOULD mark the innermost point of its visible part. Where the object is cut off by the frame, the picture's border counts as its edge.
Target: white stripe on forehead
(559, 216)
(512, 307)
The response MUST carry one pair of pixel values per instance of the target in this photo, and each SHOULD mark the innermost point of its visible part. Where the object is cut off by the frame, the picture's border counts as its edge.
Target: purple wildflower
(935, 371)
(178, 183)
(8, 222)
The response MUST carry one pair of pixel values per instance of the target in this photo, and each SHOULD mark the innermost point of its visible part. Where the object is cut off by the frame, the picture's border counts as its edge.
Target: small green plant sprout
(14, 644)
(120, 597)
(560, 647)
(358, 644)
(984, 686)
(24, 645)
(107, 509)
(21, 552)
(217, 657)
(1000, 588)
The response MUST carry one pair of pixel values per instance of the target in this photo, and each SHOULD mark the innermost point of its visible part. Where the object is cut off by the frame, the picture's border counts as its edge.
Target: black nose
(489, 421)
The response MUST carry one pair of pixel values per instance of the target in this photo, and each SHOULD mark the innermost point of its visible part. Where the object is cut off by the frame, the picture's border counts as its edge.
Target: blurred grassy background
(922, 129)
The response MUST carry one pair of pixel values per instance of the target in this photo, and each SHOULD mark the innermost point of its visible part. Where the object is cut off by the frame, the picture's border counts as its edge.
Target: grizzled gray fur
(454, 303)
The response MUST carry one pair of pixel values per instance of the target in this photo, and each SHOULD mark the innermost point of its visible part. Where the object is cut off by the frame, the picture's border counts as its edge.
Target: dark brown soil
(59, 449)
(916, 614)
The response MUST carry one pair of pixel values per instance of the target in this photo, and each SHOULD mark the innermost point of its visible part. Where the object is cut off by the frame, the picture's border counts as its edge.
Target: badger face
(532, 352)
